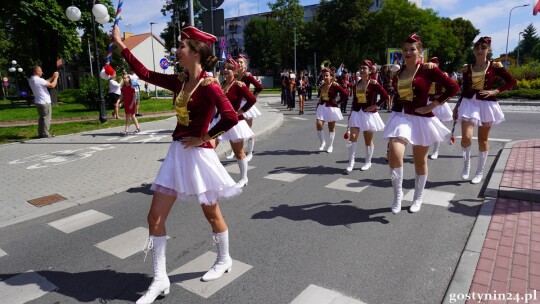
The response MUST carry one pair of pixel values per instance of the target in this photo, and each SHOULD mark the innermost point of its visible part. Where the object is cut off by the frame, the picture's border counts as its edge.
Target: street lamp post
(518, 47)
(15, 68)
(153, 59)
(99, 14)
(508, 33)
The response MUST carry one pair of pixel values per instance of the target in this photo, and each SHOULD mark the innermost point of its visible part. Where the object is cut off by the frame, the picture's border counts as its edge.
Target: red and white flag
(536, 7)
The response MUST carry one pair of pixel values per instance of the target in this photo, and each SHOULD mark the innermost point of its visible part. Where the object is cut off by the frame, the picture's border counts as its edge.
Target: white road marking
(432, 197)
(314, 294)
(348, 185)
(285, 176)
(126, 244)
(24, 287)
(79, 221)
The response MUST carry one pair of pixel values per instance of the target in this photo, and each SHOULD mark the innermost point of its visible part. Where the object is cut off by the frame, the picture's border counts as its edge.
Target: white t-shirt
(114, 87)
(135, 81)
(41, 92)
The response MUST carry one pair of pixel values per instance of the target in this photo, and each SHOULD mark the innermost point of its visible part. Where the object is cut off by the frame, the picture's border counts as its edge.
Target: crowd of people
(209, 112)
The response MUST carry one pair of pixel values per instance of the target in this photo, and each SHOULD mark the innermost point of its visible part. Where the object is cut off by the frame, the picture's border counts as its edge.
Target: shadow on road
(327, 214)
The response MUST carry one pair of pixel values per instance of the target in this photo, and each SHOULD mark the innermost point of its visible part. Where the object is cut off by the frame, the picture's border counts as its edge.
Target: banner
(395, 56)
(536, 7)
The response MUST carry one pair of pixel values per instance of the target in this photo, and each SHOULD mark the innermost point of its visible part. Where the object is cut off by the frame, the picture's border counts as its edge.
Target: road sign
(209, 4)
(219, 22)
(164, 63)
(223, 55)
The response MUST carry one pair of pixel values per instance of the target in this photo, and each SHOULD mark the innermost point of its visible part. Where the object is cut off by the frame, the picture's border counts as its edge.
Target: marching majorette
(443, 112)
(479, 106)
(238, 93)
(416, 124)
(191, 167)
(248, 79)
(364, 116)
(328, 108)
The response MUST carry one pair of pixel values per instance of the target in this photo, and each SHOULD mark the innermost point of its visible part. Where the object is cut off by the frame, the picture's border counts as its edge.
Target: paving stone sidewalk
(501, 262)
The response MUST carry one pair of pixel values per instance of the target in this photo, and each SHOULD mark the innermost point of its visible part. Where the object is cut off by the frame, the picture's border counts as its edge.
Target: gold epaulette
(373, 81)
(429, 65)
(209, 80)
(240, 83)
(335, 83)
(497, 64)
(182, 76)
(248, 74)
(465, 69)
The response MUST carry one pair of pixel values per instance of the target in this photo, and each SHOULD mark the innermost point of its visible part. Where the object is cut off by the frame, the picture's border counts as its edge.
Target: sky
(489, 16)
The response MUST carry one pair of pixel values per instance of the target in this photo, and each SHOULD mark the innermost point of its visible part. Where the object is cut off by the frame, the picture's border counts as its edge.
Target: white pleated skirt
(194, 172)
(442, 112)
(329, 114)
(366, 121)
(238, 133)
(480, 112)
(417, 130)
(252, 112)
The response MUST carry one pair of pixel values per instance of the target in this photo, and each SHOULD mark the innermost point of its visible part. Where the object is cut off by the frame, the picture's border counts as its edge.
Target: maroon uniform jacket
(238, 91)
(494, 69)
(200, 108)
(372, 90)
(333, 90)
(248, 79)
(425, 75)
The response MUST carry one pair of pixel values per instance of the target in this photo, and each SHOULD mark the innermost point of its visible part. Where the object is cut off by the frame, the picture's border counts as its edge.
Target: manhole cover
(47, 200)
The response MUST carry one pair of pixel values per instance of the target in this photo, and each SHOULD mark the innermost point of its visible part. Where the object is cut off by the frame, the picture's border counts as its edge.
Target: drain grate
(47, 200)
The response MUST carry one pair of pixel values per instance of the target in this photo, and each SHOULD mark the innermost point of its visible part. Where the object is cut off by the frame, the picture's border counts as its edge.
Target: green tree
(465, 32)
(526, 45)
(178, 10)
(290, 15)
(262, 37)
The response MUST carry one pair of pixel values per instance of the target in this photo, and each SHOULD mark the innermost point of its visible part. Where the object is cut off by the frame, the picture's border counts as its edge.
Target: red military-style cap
(324, 70)
(242, 56)
(485, 39)
(232, 62)
(413, 38)
(434, 60)
(367, 63)
(191, 32)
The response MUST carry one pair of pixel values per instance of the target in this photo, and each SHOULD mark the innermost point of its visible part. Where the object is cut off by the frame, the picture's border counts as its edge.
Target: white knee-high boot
(466, 162)
(369, 155)
(160, 283)
(321, 139)
(223, 262)
(352, 152)
(396, 175)
(482, 158)
(230, 156)
(419, 185)
(250, 145)
(435, 153)
(243, 166)
(332, 135)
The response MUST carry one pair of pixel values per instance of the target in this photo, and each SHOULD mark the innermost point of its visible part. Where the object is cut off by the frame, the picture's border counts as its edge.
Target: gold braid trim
(240, 83)
(429, 65)
(182, 76)
(497, 64)
(209, 80)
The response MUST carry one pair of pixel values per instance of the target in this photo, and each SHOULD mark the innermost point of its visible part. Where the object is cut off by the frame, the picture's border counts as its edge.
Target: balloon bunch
(108, 69)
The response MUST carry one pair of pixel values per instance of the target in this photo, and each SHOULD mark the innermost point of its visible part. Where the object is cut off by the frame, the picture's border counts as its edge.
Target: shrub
(528, 71)
(88, 95)
(521, 93)
(68, 95)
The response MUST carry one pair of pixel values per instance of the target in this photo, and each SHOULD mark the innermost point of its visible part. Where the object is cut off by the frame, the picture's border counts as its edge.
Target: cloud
(443, 4)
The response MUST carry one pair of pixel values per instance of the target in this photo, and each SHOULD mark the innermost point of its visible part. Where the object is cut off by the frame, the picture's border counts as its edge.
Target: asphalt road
(302, 221)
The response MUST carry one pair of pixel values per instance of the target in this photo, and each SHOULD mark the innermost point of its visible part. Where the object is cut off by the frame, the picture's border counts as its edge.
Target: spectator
(128, 97)
(135, 84)
(42, 98)
(114, 95)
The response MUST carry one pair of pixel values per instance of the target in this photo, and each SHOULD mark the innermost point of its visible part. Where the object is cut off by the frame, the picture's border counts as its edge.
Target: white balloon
(104, 20)
(99, 11)
(395, 67)
(73, 13)
(103, 75)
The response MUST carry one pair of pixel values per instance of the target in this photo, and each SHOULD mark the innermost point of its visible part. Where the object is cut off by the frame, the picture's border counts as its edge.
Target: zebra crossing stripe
(285, 176)
(233, 168)
(79, 221)
(25, 287)
(299, 118)
(432, 197)
(348, 185)
(126, 244)
(189, 275)
(2, 253)
(314, 294)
